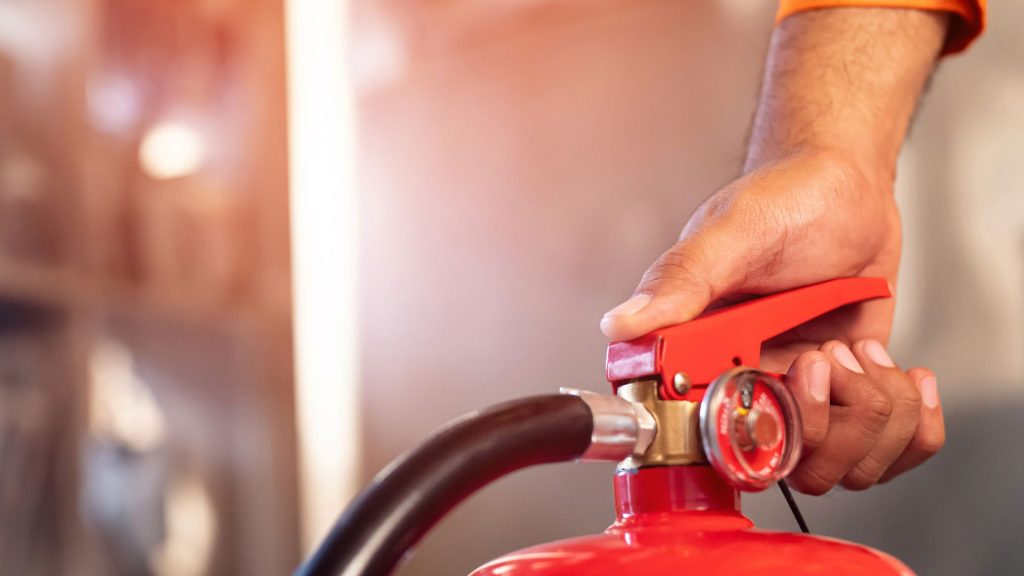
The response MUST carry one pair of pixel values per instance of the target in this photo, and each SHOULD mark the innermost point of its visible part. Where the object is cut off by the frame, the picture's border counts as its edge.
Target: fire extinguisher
(692, 423)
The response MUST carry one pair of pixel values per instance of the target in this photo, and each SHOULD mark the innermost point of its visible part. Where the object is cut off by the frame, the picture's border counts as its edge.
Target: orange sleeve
(967, 23)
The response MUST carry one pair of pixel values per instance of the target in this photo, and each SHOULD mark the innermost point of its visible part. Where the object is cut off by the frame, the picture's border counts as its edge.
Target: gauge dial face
(750, 428)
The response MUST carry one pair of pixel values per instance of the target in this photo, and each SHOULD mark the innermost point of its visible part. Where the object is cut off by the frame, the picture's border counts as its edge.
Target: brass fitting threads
(677, 440)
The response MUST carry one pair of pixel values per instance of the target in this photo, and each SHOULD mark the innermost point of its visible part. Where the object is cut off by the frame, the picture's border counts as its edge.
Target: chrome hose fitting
(621, 428)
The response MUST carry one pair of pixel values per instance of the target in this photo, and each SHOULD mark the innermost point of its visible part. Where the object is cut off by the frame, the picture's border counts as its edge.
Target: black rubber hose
(412, 494)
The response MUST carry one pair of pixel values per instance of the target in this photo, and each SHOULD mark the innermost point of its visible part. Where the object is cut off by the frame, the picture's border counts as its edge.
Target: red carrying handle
(712, 343)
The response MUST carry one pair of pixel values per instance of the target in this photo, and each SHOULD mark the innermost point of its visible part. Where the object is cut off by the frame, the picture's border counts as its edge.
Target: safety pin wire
(792, 506)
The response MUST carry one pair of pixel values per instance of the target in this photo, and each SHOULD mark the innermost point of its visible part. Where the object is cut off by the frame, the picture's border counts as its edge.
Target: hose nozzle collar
(621, 428)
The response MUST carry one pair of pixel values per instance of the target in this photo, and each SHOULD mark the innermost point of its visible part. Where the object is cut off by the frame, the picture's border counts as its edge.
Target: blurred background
(252, 251)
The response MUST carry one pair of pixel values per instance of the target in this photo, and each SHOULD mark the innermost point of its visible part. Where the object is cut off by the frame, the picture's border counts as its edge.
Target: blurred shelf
(63, 289)
(121, 300)
(40, 286)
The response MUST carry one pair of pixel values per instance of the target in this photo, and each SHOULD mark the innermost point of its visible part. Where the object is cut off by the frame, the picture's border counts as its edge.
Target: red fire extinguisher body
(693, 421)
(684, 520)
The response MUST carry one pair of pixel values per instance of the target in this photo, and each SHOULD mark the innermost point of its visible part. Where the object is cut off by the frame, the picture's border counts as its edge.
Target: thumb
(692, 274)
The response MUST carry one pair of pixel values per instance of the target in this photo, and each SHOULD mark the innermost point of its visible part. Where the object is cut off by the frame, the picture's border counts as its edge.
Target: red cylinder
(685, 520)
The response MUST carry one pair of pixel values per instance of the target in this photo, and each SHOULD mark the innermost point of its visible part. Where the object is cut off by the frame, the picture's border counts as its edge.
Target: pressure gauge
(750, 428)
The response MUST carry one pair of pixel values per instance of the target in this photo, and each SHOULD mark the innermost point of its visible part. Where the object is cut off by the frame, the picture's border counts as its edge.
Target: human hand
(815, 203)
(864, 419)
(802, 220)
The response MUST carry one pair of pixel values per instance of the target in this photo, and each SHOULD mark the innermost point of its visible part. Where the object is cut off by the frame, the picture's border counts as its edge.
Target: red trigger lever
(702, 349)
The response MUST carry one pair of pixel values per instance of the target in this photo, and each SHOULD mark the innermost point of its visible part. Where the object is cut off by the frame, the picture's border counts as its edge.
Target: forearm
(844, 80)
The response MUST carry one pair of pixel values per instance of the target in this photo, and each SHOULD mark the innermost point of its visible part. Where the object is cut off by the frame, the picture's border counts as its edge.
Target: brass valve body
(677, 440)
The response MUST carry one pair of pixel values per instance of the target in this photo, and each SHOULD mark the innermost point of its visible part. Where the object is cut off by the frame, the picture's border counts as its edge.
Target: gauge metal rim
(712, 403)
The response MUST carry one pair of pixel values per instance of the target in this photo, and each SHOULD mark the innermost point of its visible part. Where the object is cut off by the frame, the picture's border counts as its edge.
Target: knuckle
(864, 475)
(906, 397)
(671, 264)
(878, 404)
(875, 410)
(859, 480)
(877, 398)
(677, 267)
(809, 480)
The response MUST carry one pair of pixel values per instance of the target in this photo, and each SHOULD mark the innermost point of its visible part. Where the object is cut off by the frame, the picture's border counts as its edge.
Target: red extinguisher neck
(647, 493)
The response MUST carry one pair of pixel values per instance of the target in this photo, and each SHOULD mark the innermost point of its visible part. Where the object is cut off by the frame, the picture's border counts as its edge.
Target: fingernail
(631, 306)
(842, 354)
(817, 380)
(929, 392)
(877, 353)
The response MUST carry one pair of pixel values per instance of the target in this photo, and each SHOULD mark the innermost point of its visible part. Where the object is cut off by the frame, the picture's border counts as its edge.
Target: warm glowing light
(190, 529)
(122, 408)
(171, 150)
(324, 235)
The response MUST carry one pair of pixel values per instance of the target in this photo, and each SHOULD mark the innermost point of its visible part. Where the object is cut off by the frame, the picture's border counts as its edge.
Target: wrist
(844, 80)
(832, 154)
(831, 162)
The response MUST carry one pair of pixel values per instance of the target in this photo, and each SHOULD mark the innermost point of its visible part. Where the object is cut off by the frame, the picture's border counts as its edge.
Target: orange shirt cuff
(967, 23)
